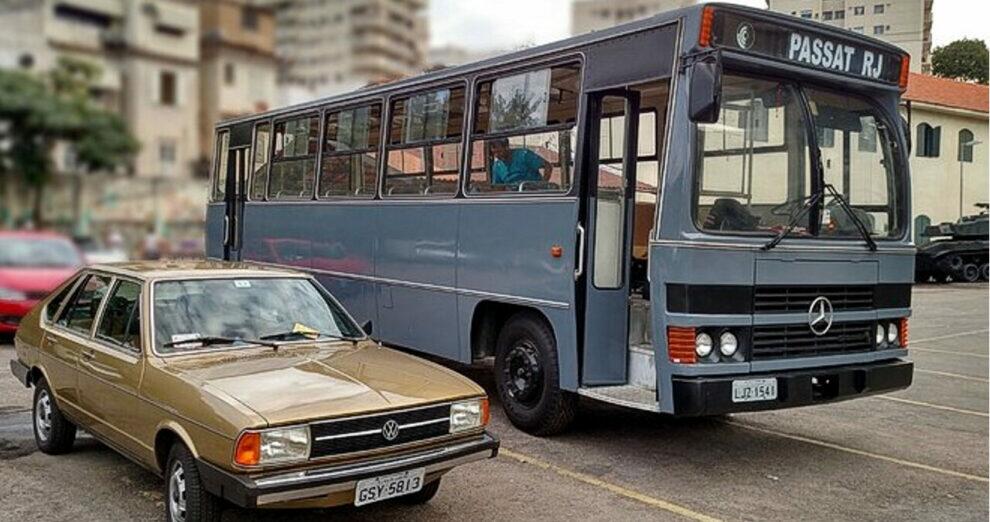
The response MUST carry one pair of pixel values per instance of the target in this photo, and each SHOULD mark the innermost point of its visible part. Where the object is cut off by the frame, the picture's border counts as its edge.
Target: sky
(512, 24)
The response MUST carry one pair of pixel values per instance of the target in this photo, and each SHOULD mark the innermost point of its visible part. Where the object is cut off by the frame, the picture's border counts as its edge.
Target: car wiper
(795, 218)
(291, 334)
(218, 340)
(855, 219)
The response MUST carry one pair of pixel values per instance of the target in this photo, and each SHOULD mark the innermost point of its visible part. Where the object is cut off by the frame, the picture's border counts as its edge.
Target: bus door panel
(237, 165)
(610, 169)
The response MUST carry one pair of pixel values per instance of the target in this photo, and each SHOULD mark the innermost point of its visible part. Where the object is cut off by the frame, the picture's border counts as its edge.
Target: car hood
(303, 383)
(34, 280)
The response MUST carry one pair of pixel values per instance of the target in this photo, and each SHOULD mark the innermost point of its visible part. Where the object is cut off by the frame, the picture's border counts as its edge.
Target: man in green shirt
(514, 166)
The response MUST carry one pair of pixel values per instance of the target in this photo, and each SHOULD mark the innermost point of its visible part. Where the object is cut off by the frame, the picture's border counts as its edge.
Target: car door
(69, 337)
(110, 370)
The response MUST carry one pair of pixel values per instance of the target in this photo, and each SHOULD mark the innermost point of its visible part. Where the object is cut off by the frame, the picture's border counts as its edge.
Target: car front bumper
(286, 487)
(712, 395)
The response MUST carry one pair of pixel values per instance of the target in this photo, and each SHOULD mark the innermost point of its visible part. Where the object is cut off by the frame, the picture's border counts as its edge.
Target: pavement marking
(947, 352)
(947, 336)
(952, 375)
(862, 453)
(933, 406)
(614, 488)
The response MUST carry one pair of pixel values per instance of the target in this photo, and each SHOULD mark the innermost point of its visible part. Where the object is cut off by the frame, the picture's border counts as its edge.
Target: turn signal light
(902, 82)
(707, 19)
(486, 413)
(902, 326)
(680, 345)
(248, 449)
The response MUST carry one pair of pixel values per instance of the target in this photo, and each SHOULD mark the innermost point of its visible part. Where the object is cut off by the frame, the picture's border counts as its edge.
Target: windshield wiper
(795, 218)
(216, 340)
(290, 335)
(855, 219)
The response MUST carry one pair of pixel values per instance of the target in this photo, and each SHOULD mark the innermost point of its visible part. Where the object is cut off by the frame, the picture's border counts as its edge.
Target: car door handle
(88, 354)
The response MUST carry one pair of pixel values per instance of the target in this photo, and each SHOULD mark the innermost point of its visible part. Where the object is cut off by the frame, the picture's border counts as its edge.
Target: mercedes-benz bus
(699, 213)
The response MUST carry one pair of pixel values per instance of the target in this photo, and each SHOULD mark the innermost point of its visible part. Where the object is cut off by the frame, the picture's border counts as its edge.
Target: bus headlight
(728, 344)
(892, 334)
(881, 335)
(703, 345)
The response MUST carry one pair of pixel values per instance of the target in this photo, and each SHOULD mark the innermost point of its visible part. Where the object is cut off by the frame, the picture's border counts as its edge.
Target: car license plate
(388, 486)
(754, 390)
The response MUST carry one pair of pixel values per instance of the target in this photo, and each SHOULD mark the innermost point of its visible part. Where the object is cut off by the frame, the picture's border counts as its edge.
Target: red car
(32, 264)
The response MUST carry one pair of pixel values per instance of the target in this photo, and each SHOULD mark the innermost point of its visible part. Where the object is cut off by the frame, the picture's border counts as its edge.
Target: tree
(966, 59)
(36, 112)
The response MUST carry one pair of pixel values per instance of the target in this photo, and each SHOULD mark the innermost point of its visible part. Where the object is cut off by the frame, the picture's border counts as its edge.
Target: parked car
(32, 264)
(244, 385)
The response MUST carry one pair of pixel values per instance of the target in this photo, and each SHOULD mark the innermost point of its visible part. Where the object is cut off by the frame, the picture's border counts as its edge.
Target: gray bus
(699, 213)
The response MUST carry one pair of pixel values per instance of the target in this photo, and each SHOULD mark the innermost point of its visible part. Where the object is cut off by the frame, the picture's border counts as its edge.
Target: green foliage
(966, 59)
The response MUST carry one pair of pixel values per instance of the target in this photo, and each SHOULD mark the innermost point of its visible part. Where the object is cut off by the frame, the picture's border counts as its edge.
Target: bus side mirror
(705, 89)
(367, 328)
(907, 133)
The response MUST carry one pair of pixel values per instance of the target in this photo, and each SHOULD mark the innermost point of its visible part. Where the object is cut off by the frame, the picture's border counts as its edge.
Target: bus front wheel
(527, 377)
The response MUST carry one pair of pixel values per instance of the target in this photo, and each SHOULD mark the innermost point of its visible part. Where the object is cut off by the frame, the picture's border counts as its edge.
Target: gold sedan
(242, 385)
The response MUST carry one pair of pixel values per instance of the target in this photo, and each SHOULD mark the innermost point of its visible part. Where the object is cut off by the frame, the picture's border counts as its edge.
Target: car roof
(34, 234)
(181, 269)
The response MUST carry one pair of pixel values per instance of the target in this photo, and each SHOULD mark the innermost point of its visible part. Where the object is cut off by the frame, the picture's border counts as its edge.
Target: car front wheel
(186, 500)
(53, 433)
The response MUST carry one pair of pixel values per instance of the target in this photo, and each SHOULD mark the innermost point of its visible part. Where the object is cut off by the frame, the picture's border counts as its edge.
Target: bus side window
(220, 166)
(349, 166)
(259, 165)
(424, 144)
(293, 171)
(524, 131)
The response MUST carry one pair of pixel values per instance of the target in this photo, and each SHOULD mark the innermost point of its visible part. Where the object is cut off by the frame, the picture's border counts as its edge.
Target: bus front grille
(785, 299)
(366, 433)
(797, 340)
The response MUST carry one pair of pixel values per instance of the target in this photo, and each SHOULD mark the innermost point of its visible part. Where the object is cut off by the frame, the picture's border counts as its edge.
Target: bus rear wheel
(527, 377)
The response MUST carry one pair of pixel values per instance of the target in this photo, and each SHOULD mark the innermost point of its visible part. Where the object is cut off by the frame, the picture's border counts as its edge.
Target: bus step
(628, 395)
(642, 367)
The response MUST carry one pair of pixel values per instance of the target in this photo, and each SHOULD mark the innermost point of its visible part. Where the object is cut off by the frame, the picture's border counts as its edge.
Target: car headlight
(881, 335)
(468, 415)
(703, 344)
(892, 334)
(9, 294)
(728, 344)
(278, 445)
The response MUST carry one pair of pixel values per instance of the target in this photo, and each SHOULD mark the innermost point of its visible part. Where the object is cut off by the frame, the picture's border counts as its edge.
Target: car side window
(52, 307)
(82, 309)
(120, 323)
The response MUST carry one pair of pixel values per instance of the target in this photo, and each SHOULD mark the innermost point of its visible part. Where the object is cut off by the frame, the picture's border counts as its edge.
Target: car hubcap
(43, 415)
(523, 373)
(177, 493)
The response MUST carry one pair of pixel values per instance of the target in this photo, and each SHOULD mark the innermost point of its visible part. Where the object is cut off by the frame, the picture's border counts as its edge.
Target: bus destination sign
(805, 46)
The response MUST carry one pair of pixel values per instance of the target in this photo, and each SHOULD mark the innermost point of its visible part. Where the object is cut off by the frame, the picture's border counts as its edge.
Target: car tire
(423, 495)
(186, 500)
(53, 433)
(527, 377)
(971, 273)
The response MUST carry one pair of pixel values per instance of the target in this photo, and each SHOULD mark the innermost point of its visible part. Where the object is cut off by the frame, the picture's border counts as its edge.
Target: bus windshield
(754, 172)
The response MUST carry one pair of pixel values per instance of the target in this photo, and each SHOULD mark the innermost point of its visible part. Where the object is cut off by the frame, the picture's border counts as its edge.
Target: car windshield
(38, 252)
(755, 174)
(195, 314)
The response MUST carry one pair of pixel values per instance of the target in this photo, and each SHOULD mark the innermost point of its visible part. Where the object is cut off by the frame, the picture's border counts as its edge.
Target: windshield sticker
(302, 329)
(185, 338)
(241, 283)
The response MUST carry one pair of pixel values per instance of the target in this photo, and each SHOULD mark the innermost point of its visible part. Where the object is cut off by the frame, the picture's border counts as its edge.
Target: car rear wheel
(186, 500)
(422, 496)
(53, 433)
(527, 377)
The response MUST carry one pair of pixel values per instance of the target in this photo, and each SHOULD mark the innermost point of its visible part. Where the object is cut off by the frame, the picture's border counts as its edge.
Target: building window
(840, 15)
(858, 29)
(229, 73)
(859, 10)
(929, 139)
(167, 156)
(806, 13)
(168, 88)
(878, 9)
(877, 29)
(249, 18)
(827, 15)
(966, 146)
(82, 16)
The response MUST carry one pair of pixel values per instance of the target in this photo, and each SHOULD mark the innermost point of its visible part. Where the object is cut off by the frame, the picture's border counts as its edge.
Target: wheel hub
(177, 493)
(43, 415)
(523, 373)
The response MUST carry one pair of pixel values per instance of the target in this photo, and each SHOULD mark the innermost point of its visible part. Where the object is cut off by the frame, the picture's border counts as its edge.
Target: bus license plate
(754, 390)
(388, 486)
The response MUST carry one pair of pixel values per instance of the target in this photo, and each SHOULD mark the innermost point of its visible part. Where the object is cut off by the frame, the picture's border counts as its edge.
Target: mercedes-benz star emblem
(745, 36)
(390, 431)
(820, 315)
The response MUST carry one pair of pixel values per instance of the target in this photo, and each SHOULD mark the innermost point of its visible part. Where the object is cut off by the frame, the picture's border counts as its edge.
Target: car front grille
(784, 299)
(366, 432)
(797, 340)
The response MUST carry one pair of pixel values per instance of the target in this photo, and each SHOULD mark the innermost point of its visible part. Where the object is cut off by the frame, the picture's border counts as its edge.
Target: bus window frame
(249, 180)
(577, 59)
(382, 135)
(317, 112)
(215, 196)
(387, 147)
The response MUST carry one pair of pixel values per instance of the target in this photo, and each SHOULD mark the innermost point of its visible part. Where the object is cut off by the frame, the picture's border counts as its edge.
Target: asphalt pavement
(918, 454)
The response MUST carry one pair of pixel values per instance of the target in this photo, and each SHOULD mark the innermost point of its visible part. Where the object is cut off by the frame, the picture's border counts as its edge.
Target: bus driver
(514, 166)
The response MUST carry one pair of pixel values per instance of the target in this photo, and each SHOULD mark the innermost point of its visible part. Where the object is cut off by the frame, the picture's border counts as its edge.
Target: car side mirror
(367, 327)
(705, 87)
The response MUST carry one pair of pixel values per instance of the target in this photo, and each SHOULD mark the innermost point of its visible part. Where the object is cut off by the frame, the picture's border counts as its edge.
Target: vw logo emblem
(745, 36)
(820, 315)
(390, 431)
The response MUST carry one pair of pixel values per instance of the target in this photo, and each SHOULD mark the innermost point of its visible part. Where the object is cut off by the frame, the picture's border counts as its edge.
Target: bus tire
(527, 377)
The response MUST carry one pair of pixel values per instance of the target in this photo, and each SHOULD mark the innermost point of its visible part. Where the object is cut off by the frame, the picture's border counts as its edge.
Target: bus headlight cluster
(704, 345)
(888, 335)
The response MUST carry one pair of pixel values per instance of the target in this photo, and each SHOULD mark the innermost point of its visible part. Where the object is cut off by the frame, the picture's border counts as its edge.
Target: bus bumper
(700, 396)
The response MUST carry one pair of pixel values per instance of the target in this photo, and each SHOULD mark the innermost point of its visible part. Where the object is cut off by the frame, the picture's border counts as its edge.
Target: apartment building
(238, 67)
(330, 46)
(592, 15)
(148, 54)
(905, 23)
